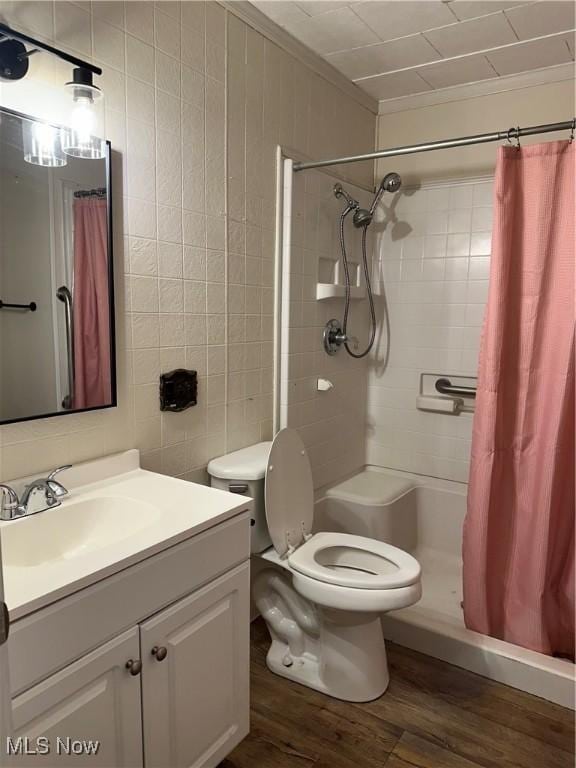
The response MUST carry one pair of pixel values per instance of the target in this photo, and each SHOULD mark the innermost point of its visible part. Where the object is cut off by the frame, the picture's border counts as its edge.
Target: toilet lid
(289, 492)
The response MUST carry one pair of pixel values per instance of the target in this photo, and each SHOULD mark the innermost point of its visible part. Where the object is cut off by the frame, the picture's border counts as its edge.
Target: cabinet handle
(134, 666)
(160, 652)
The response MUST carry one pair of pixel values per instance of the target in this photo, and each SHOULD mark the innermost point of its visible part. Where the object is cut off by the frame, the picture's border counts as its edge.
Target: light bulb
(82, 120)
(42, 144)
(81, 139)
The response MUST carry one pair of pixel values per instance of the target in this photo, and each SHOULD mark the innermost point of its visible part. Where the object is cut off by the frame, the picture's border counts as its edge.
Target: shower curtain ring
(572, 129)
(513, 132)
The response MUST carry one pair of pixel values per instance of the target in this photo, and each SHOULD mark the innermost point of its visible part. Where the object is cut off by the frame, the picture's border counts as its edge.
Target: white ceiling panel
(333, 31)
(283, 13)
(474, 35)
(395, 85)
(542, 18)
(533, 55)
(384, 57)
(395, 48)
(471, 9)
(314, 7)
(470, 69)
(396, 19)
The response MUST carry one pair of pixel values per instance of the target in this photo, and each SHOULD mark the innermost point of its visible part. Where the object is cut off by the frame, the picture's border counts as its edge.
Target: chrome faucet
(39, 495)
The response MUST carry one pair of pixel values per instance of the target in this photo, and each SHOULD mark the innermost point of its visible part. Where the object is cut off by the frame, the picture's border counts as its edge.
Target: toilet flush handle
(238, 487)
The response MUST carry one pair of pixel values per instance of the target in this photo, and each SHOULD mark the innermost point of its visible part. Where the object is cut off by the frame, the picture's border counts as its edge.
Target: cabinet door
(95, 699)
(5, 703)
(195, 677)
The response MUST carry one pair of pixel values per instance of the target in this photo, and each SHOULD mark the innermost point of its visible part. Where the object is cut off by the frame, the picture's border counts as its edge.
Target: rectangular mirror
(57, 351)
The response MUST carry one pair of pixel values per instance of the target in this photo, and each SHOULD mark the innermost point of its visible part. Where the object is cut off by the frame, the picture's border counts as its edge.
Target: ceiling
(404, 47)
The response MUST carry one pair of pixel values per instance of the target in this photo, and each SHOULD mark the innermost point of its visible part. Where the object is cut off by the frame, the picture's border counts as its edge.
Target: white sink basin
(74, 530)
(115, 516)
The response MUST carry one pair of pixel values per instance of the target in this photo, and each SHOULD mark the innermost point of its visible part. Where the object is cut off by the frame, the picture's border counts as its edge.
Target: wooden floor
(433, 715)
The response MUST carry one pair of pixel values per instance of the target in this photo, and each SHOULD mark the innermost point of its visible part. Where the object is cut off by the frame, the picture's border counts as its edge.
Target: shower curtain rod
(464, 141)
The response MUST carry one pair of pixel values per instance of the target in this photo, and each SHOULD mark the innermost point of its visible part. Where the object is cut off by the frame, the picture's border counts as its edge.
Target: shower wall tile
(196, 103)
(263, 110)
(436, 289)
(331, 424)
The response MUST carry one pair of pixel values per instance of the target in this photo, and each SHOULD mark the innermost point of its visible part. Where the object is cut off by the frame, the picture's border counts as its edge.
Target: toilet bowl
(321, 595)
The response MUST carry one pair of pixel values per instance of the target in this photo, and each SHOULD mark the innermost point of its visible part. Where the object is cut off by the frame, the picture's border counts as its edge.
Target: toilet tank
(243, 472)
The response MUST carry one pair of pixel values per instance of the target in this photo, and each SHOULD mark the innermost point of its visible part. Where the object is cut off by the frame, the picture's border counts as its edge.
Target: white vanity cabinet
(94, 698)
(152, 662)
(196, 675)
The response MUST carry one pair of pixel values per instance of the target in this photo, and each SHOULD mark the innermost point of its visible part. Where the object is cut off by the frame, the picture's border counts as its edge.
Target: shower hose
(357, 355)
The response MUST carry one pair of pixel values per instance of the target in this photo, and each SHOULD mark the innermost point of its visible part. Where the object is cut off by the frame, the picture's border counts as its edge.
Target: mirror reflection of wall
(54, 256)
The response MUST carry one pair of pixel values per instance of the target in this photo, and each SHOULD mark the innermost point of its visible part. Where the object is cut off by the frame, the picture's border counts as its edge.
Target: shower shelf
(332, 291)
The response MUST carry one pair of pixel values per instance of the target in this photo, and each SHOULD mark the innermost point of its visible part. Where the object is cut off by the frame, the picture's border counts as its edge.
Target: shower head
(339, 192)
(390, 183)
(362, 217)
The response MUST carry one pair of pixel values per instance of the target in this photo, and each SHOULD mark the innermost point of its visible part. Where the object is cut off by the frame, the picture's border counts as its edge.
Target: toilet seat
(355, 561)
(333, 570)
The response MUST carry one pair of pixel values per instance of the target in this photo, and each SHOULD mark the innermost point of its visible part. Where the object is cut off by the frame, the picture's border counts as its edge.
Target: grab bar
(445, 387)
(6, 305)
(63, 293)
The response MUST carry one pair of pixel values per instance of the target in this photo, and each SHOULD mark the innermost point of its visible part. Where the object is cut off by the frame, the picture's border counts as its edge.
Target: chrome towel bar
(445, 387)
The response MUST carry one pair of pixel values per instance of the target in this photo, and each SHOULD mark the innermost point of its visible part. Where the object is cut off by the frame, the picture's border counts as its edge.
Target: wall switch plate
(178, 390)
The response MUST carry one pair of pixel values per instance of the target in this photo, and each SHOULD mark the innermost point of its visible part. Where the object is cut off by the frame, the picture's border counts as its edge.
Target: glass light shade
(80, 138)
(42, 144)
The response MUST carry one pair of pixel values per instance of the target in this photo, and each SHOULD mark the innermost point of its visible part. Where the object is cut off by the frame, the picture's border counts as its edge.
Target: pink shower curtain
(92, 386)
(519, 531)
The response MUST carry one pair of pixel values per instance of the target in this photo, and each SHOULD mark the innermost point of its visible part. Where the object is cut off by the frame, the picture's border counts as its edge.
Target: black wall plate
(13, 59)
(178, 390)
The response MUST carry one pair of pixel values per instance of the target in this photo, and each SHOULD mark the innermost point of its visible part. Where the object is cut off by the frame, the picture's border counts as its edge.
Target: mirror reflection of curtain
(92, 384)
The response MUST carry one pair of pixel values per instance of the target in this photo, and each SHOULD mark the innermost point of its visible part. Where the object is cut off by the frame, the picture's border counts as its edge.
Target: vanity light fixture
(80, 139)
(43, 144)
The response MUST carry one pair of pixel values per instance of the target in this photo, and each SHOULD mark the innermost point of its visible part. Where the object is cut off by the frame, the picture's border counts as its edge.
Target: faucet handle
(56, 487)
(56, 471)
(8, 508)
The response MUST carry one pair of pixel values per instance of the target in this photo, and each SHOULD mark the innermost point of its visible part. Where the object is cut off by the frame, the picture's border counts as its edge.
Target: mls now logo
(42, 745)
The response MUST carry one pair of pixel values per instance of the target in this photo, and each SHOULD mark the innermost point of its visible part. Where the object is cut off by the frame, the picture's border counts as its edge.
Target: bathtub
(424, 516)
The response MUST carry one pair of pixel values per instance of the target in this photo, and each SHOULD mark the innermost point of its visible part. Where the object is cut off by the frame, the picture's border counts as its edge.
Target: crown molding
(495, 85)
(250, 15)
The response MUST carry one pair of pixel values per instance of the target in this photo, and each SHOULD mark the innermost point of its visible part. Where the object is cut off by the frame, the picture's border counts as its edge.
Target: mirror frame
(111, 309)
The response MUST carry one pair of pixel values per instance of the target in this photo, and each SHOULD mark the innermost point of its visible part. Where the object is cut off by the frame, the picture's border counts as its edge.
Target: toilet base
(330, 672)
(339, 653)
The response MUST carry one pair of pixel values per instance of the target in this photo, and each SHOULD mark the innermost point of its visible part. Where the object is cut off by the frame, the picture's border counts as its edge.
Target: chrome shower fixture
(390, 183)
(339, 192)
(336, 335)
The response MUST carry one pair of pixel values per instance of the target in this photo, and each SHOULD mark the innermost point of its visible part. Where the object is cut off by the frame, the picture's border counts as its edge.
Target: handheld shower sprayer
(390, 183)
(334, 335)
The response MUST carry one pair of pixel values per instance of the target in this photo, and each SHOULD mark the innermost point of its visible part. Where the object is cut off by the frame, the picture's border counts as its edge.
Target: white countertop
(172, 511)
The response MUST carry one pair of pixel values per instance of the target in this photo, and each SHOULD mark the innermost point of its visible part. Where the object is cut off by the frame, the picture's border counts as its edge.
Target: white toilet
(322, 594)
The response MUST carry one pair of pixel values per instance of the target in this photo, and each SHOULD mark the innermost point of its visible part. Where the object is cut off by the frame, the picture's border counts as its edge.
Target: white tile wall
(433, 263)
(196, 102)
